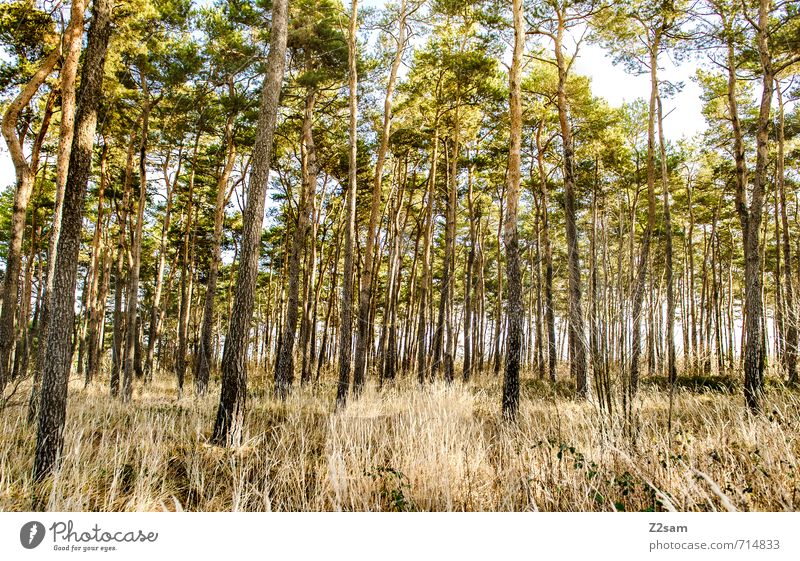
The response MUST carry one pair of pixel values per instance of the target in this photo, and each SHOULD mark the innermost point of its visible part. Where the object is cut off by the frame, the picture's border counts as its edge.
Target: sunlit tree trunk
(230, 415)
(511, 234)
(52, 410)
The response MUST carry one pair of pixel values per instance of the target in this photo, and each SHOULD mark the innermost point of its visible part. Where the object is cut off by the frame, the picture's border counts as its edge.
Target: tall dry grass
(441, 448)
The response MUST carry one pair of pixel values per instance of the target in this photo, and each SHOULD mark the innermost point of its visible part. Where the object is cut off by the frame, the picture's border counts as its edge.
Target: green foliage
(393, 488)
(27, 34)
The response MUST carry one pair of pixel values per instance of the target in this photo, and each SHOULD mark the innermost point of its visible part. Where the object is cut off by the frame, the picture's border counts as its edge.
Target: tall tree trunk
(186, 274)
(672, 372)
(577, 338)
(427, 237)
(120, 281)
(204, 355)
(96, 307)
(469, 283)
(52, 412)
(346, 320)
(549, 313)
(69, 70)
(754, 351)
(366, 289)
(25, 174)
(155, 312)
(644, 255)
(308, 330)
(284, 366)
(135, 258)
(448, 272)
(790, 338)
(511, 234)
(230, 415)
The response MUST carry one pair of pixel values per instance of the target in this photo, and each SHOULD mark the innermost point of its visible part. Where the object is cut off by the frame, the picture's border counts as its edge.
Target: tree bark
(204, 357)
(284, 366)
(790, 338)
(672, 372)
(577, 336)
(230, 415)
(754, 352)
(346, 320)
(154, 326)
(186, 274)
(120, 281)
(135, 258)
(69, 70)
(25, 178)
(511, 234)
(95, 306)
(52, 412)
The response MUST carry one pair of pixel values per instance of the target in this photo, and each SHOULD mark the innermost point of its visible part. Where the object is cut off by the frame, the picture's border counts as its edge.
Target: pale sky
(608, 81)
(617, 86)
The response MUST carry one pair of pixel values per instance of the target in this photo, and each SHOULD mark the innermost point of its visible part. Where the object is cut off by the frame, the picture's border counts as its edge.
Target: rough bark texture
(511, 234)
(672, 372)
(96, 307)
(135, 258)
(52, 410)
(154, 326)
(204, 358)
(790, 338)
(577, 336)
(24, 188)
(644, 252)
(69, 71)
(284, 365)
(346, 327)
(754, 351)
(230, 415)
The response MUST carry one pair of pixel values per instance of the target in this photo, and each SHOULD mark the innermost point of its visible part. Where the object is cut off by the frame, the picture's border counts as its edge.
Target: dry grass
(444, 448)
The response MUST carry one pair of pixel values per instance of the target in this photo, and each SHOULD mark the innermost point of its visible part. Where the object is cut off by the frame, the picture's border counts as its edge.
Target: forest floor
(440, 449)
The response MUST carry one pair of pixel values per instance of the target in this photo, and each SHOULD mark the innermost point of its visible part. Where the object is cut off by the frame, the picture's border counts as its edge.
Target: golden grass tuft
(438, 449)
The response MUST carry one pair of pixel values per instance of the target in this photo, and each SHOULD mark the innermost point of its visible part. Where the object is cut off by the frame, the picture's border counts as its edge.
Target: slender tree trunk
(230, 415)
(346, 320)
(96, 307)
(672, 372)
(422, 355)
(577, 337)
(120, 281)
(448, 273)
(52, 412)
(284, 367)
(644, 255)
(549, 313)
(366, 288)
(511, 234)
(204, 355)
(790, 338)
(310, 289)
(155, 312)
(182, 351)
(469, 284)
(754, 352)
(136, 250)
(69, 70)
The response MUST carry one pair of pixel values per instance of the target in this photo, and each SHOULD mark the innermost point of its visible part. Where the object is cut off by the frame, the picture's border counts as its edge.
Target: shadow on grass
(696, 383)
